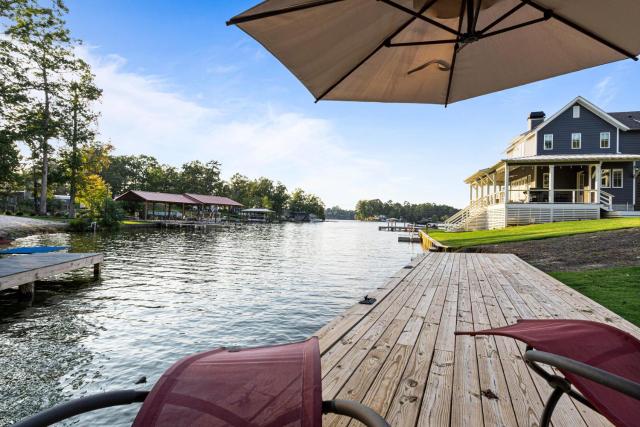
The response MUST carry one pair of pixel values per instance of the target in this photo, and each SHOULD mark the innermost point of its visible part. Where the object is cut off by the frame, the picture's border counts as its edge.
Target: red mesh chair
(600, 361)
(267, 386)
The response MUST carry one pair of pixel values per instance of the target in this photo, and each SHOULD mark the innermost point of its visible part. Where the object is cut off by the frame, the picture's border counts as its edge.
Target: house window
(576, 141)
(605, 180)
(605, 139)
(576, 111)
(616, 178)
(545, 180)
(548, 141)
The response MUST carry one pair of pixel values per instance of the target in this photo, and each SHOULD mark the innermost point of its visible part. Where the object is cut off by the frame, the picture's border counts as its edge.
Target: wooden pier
(400, 356)
(22, 271)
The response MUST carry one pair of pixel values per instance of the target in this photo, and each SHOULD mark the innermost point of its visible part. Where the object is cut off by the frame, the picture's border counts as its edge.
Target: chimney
(535, 118)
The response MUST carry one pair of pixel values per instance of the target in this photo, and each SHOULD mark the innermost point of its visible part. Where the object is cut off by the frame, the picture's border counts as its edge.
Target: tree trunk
(45, 147)
(74, 166)
(34, 174)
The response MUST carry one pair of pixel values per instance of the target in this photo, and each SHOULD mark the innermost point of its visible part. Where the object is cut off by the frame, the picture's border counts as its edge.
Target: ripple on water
(167, 293)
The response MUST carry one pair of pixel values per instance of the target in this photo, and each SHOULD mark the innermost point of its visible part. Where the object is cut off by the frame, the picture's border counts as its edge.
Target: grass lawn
(618, 289)
(530, 232)
(132, 222)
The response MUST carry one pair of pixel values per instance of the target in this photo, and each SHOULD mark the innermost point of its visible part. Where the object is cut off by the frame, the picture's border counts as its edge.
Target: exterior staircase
(606, 201)
(473, 217)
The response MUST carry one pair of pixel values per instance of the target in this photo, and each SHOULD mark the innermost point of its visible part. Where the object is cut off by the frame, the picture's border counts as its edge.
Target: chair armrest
(589, 372)
(82, 405)
(355, 410)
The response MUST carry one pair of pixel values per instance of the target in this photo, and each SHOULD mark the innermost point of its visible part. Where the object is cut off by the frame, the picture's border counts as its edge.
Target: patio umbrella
(439, 51)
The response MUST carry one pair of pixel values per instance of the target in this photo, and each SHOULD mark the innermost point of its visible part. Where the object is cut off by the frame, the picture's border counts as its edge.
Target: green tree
(93, 194)
(200, 178)
(9, 162)
(78, 126)
(42, 51)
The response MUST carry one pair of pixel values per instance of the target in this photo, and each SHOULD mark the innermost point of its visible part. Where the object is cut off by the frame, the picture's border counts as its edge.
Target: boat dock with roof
(400, 355)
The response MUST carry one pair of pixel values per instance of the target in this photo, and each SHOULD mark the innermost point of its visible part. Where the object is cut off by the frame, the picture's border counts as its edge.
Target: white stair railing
(606, 201)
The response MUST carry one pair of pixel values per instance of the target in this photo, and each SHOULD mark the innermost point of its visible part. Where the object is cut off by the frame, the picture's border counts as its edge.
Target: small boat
(32, 250)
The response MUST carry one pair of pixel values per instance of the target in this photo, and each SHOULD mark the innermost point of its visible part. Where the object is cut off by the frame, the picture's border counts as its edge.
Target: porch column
(598, 182)
(506, 183)
(494, 184)
(551, 183)
(482, 187)
(470, 192)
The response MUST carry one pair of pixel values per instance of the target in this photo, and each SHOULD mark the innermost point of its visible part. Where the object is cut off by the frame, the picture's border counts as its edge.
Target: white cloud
(144, 114)
(605, 91)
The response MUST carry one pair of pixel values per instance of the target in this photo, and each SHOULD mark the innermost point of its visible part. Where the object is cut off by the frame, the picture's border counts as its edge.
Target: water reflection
(166, 293)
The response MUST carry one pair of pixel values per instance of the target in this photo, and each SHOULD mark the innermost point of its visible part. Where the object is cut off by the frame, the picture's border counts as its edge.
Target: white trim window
(616, 178)
(545, 180)
(605, 139)
(576, 111)
(548, 141)
(605, 179)
(576, 141)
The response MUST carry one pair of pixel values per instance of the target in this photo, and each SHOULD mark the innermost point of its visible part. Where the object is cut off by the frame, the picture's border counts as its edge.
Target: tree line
(49, 105)
(410, 212)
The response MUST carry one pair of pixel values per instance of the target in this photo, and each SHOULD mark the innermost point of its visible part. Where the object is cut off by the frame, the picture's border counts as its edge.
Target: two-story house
(580, 163)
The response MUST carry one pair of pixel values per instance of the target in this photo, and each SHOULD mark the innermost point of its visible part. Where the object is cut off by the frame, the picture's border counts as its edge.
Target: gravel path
(17, 226)
(604, 249)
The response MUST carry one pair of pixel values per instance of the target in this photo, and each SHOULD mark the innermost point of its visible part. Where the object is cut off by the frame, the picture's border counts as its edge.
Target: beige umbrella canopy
(439, 51)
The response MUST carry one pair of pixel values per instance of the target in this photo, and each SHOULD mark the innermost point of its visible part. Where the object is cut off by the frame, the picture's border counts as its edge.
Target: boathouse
(203, 203)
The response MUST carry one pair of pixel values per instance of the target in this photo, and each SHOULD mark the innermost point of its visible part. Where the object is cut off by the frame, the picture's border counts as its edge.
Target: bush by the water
(112, 214)
(19, 213)
(79, 224)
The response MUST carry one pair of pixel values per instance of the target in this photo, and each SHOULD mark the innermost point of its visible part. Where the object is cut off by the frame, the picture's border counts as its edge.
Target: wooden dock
(400, 228)
(23, 270)
(400, 356)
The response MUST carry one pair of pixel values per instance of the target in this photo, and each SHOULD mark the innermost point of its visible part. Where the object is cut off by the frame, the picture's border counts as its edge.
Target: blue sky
(180, 85)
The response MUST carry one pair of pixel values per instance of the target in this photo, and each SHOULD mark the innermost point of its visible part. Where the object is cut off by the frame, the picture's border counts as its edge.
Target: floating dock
(400, 356)
(22, 271)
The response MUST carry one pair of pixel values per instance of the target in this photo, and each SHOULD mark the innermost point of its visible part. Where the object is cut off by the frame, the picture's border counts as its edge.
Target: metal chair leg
(545, 419)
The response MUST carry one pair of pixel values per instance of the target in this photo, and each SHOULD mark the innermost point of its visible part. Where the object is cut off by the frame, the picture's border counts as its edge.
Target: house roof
(570, 158)
(151, 196)
(206, 199)
(607, 117)
(631, 119)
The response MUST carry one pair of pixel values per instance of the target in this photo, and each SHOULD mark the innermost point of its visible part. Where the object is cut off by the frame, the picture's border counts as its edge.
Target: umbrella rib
(380, 46)
(420, 16)
(455, 54)
(240, 19)
(515, 27)
(503, 17)
(421, 43)
(581, 29)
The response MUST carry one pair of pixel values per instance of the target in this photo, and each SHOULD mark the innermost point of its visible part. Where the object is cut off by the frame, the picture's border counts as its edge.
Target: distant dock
(21, 271)
(406, 228)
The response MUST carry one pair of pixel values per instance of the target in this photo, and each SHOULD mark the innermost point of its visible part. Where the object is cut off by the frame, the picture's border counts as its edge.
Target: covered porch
(549, 188)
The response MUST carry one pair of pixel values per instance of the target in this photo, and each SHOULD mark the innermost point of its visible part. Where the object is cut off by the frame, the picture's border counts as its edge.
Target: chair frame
(561, 385)
(82, 405)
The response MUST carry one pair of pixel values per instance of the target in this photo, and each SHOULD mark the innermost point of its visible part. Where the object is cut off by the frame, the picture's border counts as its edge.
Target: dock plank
(401, 357)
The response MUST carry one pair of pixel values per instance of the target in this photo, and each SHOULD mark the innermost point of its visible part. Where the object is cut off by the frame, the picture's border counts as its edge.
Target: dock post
(96, 271)
(27, 290)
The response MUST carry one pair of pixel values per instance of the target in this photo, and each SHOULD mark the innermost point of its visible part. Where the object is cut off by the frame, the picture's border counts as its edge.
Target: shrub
(112, 214)
(8, 213)
(79, 224)
(19, 213)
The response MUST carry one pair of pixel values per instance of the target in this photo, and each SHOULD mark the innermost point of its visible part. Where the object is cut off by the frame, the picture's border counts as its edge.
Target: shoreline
(13, 227)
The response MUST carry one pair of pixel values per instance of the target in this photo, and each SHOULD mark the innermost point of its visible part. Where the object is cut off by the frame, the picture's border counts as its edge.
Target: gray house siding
(622, 196)
(630, 142)
(589, 125)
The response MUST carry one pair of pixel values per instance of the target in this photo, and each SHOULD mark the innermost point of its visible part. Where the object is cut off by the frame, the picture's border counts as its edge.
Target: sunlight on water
(166, 294)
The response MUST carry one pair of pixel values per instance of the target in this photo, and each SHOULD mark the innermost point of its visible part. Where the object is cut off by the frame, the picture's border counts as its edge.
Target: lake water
(165, 294)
